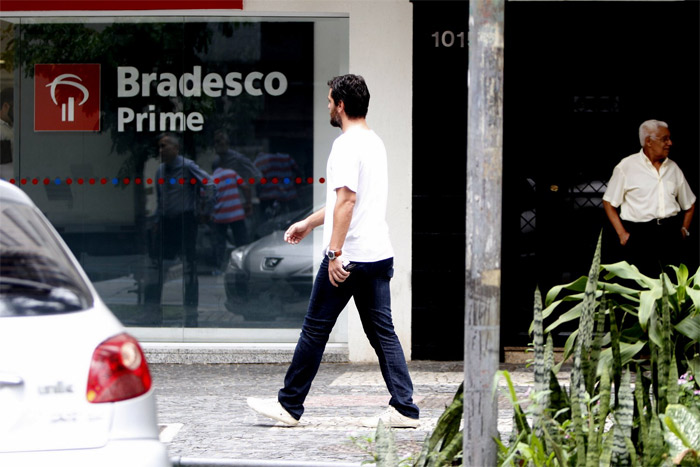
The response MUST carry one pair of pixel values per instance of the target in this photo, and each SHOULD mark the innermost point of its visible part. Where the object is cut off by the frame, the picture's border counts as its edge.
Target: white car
(75, 389)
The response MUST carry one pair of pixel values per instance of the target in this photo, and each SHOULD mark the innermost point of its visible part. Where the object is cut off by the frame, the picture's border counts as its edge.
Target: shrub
(635, 327)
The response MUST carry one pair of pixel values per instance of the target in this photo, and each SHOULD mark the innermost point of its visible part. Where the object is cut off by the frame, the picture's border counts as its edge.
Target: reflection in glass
(155, 257)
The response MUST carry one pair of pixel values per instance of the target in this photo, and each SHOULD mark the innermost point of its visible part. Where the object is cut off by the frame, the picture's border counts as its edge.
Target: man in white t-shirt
(358, 264)
(656, 203)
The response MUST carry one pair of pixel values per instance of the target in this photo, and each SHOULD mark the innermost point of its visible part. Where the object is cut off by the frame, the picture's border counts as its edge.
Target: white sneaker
(271, 408)
(391, 418)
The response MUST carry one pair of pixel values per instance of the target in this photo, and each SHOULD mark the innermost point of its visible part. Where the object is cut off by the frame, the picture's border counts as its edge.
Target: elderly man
(656, 203)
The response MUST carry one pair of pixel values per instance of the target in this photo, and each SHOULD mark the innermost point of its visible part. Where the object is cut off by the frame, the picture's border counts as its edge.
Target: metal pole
(483, 230)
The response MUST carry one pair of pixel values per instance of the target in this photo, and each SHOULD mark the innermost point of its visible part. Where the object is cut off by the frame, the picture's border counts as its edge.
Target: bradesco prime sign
(67, 97)
(195, 84)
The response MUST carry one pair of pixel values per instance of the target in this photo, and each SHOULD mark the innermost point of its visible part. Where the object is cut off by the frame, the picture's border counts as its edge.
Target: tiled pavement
(203, 412)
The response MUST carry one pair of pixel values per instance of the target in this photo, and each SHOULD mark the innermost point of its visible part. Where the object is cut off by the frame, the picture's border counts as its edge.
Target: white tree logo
(68, 109)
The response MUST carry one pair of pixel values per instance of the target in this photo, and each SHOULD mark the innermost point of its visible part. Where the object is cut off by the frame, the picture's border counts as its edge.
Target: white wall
(381, 50)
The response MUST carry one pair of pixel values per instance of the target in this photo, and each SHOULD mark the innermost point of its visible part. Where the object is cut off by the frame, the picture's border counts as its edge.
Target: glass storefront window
(171, 153)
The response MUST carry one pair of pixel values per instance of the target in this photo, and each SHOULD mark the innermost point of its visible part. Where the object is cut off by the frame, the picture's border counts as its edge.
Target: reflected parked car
(273, 269)
(75, 388)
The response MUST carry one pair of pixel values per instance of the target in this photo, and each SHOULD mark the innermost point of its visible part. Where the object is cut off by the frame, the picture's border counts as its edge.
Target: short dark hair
(170, 136)
(352, 91)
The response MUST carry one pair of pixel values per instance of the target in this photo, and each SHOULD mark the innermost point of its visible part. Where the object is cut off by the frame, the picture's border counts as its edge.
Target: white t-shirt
(358, 162)
(645, 194)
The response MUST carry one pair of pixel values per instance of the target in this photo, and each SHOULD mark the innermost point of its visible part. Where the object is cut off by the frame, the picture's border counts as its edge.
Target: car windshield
(36, 275)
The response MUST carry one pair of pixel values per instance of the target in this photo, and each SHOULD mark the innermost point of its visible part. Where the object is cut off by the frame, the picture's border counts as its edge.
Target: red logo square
(67, 97)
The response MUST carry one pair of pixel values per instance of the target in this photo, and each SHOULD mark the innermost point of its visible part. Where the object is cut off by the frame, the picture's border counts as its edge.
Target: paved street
(203, 412)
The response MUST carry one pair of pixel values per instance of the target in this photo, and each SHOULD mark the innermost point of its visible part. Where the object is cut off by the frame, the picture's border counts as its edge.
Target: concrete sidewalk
(205, 420)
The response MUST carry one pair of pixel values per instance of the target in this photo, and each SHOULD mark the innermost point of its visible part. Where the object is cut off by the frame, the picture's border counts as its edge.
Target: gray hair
(649, 128)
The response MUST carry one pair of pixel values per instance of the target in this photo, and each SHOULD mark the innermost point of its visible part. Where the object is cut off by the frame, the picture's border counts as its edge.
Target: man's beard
(336, 121)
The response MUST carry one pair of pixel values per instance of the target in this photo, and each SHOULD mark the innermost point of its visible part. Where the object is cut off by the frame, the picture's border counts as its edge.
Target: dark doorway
(579, 79)
(440, 59)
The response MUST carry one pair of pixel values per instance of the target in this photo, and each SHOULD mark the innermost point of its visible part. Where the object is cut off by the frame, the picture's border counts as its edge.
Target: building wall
(381, 51)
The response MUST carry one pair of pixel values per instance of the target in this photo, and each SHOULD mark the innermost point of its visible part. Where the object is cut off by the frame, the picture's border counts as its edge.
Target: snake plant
(634, 332)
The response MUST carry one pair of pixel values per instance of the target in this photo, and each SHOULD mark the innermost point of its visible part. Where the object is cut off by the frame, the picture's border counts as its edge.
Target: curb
(210, 353)
(193, 462)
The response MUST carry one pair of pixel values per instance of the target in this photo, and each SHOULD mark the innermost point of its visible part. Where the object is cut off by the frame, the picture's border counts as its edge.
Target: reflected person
(174, 233)
(244, 167)
(276, 198)
(229, 214)
(6, 133)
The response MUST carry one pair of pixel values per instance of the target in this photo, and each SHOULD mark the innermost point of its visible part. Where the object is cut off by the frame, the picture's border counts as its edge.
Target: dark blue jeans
(368, 285)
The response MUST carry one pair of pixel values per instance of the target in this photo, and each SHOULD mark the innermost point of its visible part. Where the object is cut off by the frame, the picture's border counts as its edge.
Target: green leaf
(624, 417)
(624, 270)
(560, 453)
(681, 273)
(690, 327)
(694, 294)
(386, 447)
(519, 416)
(654, 448)
(579, 285)
(558, 400)
(673, 389)
(568, 350)
(611, 287)
(665, 351)
(572, 314)
(647, 305)
(553, 306)
(695, 279)
(694, 366)
(681, 429)
(450, 451)
(627, 353)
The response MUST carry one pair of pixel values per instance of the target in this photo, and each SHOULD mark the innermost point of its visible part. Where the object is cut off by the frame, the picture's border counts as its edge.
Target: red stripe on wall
(118, 5)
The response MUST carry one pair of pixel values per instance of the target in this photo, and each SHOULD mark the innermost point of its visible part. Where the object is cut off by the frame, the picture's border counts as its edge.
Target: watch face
(331, 254)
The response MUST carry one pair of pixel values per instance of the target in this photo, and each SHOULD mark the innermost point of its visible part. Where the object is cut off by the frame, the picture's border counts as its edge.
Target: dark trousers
(174, 236)
(368, 285)
(654, 245)
(240, 236)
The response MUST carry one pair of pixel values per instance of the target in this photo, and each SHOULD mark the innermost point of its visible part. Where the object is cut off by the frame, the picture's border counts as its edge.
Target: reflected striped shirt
(228, 207)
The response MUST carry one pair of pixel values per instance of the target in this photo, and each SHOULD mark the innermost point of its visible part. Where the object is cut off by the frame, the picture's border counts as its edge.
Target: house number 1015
(448, 39)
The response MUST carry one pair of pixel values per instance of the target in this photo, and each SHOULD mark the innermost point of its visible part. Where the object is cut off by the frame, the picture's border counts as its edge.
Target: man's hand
(297, 231)
(336, 273)
(624, 238)
(616, 222)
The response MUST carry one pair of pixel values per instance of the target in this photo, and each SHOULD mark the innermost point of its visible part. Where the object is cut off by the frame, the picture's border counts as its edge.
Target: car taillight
(118, 371)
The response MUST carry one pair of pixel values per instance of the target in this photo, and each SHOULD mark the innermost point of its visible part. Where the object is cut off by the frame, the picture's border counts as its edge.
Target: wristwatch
(333, 254)
(685, 231)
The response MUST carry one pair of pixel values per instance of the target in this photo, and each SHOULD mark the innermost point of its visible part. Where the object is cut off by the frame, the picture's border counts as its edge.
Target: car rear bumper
(132, 453)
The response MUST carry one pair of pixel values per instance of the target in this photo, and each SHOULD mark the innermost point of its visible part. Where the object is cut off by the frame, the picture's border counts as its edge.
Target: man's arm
(342, 215)
(297, 231)
(687, 219)
(616, 222)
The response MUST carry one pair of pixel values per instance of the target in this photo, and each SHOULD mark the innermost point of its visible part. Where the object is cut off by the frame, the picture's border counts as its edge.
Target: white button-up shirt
(643, 193)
